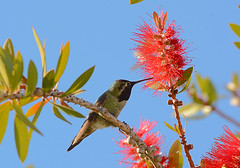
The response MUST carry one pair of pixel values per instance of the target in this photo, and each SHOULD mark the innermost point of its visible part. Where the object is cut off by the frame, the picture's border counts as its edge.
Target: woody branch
(143, 150)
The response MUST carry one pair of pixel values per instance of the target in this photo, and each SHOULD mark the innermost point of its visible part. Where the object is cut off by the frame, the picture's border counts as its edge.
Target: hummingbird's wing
(85, 131)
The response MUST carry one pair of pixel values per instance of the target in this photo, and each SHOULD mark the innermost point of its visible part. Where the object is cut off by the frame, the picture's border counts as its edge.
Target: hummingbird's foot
(126, 125)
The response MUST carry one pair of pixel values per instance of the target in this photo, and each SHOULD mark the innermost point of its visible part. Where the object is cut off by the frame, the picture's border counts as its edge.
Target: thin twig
(225, 116)
(187, 147)
(217, 111)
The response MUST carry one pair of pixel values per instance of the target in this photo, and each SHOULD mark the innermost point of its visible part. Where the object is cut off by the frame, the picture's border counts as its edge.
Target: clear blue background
(99, 33)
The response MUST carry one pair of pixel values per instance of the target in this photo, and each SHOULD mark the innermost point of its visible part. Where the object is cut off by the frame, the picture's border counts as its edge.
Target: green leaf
(6, 67)
(187, 84)
(186, 75)
(177, 129)
(81, 80)
(237, 44)
(235, 28)
(4, 113)
(27, 100)
(23, 118)
(35, 118)
(190, 109)
(78, 91)
(193, 92)
(8, 47)
(42, 52)
(21, 138)
(210, 90)
(17, 71)
(235, 79)
(135, 1)
(48, 81)
(170, 127)
(201, 83)
(67, 110)
(198, 117)
(62, 62)
(32, 78)
(59, 115)
(175, 158)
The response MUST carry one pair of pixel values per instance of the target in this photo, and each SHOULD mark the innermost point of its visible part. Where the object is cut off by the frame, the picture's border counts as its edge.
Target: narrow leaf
(34, 109)
(59, 115)
(185, 125)
(81, 80)
(27, 100)
(135, 1)
(175, 158)
(187, 84)
(62, 62)
(177, 129)
(42, 53)
(237, 44)
(235, 28)
(17, 71)
(235, 79)
(35, 118)
(4, 113)
(32, 78)
(21, 138)
(23, 118)
(78, 91)
(48, 81)
(190, 109)
(210, 91)
(6, 67)
(164, 19)
(185, 76)
(8, 47)
(198, 117)
(195, 97)
(170, 127)
(67, 110)
(202, 82)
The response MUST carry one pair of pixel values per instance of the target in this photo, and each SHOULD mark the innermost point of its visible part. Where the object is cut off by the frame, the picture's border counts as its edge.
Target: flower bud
(235, 101)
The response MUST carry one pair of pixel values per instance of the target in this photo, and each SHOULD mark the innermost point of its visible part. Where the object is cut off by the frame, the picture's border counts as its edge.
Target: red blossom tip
(161, 53)
(130, 156)
(225, 151)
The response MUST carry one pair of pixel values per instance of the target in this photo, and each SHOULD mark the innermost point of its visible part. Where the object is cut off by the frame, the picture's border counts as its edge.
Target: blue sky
(99, 33)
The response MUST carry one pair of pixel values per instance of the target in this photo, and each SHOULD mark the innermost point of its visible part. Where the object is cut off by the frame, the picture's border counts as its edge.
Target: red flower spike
(225, 152)
(131, 157)
(161, 53)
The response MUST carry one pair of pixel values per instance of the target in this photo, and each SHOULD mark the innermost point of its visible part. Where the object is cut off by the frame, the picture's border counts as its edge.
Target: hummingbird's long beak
(134, 82)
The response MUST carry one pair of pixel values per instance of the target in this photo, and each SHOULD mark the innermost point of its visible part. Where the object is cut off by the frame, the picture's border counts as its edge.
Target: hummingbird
(114, 100)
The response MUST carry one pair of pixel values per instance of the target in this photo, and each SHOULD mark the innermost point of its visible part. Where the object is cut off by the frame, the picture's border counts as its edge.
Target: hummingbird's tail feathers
(85, 130)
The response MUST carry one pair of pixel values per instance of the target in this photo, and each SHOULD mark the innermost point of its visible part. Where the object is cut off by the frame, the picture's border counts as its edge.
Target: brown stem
(176, 103)
(225, 116)
(218, 111)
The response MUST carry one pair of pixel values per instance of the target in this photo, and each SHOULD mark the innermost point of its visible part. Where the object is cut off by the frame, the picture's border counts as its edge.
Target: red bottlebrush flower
(161, 53)
(131, 157)
(225, 152)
